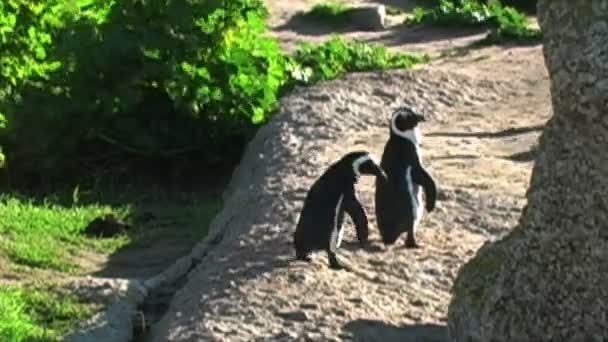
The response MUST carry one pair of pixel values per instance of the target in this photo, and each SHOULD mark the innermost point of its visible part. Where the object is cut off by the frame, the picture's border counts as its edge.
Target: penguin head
(362, 163)
(404, 123)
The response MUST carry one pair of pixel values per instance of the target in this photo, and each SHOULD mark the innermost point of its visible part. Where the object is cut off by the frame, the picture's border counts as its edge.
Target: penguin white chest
(415, 195)
(336, 234)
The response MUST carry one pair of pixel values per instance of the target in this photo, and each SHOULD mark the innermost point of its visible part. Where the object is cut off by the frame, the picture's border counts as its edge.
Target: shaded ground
(289, 28)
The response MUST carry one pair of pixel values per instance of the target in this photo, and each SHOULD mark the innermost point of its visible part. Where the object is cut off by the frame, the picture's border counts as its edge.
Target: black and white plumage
(320, 223)
(398, 201)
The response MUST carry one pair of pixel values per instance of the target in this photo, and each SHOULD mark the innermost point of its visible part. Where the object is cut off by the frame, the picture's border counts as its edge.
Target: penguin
(398, 201)
(333, 193)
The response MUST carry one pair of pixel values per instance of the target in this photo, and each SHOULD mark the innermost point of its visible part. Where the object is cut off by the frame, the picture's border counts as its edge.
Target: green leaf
(258, 115)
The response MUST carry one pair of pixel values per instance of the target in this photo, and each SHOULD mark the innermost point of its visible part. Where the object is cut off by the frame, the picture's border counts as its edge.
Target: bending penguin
(320, 223)
(398, 201)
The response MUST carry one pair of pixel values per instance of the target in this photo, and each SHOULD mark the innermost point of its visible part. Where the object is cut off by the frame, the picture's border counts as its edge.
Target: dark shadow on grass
(377, 331)
(500, 134)
(166, 225)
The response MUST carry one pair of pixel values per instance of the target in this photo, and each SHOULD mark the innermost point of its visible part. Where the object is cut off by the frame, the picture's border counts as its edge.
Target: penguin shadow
(525, 156)
(370, 247)
(512, 131)
(378, 331)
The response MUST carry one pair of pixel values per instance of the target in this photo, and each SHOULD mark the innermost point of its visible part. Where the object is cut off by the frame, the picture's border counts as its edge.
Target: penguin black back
(319, 225)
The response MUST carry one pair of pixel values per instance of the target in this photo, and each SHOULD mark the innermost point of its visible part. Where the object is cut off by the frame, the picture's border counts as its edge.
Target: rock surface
(115, 323)
(546, 281)
(249, 288)
(368, 17)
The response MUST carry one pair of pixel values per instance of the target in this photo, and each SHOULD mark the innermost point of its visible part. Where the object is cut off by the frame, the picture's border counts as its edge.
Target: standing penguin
(398, 201)
(320, 223)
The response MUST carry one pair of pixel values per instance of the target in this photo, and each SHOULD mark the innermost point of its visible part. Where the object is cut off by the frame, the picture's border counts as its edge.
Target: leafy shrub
(507, 22)
(104, 84)
(151, 78)
(338, 56)
(511, 25)
(335, 11)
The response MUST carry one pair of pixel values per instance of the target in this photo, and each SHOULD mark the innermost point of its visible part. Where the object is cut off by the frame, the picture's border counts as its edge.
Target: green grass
(507, 23)
(332, 11)
(178, 215)
(44, 234)
(37, 314)
(47, 235)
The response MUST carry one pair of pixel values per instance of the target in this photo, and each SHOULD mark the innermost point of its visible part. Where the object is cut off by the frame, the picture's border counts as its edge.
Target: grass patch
(35, 314)
(337, 56)
(332, 12)
(158, 215)
(45, 237)
(507, 23)
(47, 233)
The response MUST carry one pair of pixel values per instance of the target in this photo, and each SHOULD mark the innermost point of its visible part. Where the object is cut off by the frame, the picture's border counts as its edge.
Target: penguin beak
(420, 118)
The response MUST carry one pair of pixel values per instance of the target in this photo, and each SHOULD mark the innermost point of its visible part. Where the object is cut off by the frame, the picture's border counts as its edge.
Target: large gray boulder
(548, 279)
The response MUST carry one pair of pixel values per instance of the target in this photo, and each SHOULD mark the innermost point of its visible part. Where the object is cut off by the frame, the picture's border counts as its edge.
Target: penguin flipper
(424, 179)
(355, 210)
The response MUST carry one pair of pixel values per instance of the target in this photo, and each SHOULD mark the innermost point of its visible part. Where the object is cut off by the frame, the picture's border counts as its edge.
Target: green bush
(147, 78)
(93, 85)
(329, 11)
(337, 56)
(507, 23)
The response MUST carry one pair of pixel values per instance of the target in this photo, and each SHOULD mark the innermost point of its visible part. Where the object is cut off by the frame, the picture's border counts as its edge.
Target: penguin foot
(412, 245)
(336, 266)
(370, 247)
(365, 244)
(304, 257)
(410, 242)
(333, 261)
